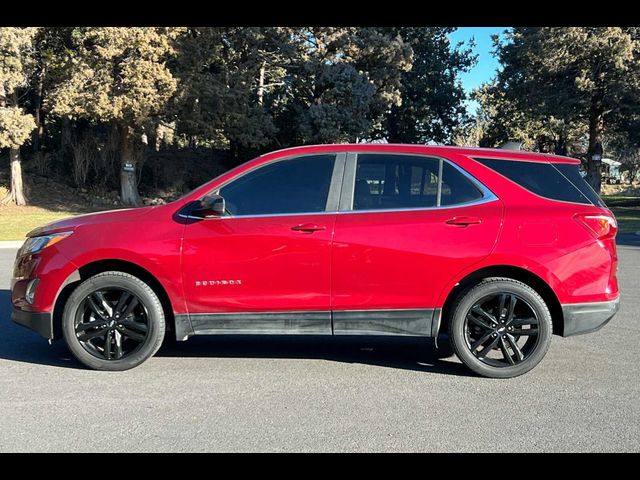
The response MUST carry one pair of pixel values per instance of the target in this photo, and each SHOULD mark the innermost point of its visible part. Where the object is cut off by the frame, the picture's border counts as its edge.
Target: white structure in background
(611, 171)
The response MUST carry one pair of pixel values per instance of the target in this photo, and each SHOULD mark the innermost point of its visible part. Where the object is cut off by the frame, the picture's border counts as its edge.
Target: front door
(264, 267)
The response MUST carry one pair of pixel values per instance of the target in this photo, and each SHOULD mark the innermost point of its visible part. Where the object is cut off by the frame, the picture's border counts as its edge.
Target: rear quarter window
(572, 173)
(541, 178)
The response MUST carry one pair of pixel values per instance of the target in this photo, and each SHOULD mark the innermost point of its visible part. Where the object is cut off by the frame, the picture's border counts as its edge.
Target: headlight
(36, 244)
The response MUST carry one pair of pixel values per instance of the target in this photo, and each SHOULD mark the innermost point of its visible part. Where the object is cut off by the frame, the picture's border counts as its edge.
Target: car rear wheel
(500, 328)
(113, 321)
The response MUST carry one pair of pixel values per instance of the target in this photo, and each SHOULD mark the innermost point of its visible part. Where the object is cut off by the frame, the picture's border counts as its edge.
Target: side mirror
(210, 206)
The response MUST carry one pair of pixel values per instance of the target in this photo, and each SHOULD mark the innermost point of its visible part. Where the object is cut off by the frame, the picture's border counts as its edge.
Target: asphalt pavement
(290, 394)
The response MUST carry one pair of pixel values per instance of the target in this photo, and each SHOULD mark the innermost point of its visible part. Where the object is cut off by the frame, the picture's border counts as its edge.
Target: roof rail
(511, 145)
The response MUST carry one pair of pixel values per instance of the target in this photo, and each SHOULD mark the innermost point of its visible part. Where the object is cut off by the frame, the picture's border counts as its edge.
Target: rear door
(407, 224)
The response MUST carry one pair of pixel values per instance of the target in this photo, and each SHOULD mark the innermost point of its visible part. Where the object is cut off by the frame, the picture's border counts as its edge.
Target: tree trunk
(157, 137)
(261, 83)
(595, 151)
(393, 132)
(65, 134)
(128, 181)
(561, 145)
(16, 188)
(38, 133)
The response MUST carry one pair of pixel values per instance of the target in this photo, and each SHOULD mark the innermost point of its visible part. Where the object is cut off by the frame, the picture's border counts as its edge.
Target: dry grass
(15, 221)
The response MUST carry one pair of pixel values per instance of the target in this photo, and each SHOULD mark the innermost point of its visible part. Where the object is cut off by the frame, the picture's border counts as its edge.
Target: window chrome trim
(420, 209)
(348, 185)
(343, 212)
(350, 177)
(262, 215)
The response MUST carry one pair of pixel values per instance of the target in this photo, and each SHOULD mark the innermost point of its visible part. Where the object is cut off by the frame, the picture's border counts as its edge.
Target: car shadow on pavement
(22, 345)
(409, 353)
(406, 353)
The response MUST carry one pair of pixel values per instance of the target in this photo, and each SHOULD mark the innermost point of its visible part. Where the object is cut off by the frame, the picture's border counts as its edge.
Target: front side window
(387, 182)
(296, 185)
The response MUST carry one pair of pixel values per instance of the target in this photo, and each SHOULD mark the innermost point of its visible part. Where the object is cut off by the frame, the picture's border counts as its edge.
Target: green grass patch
(626, 210)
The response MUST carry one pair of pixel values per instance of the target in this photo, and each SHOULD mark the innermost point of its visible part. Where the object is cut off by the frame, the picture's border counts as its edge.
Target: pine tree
(16, 50)
(118, 75)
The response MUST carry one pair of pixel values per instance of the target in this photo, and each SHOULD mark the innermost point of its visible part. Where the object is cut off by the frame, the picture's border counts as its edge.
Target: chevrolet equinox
(495, 250)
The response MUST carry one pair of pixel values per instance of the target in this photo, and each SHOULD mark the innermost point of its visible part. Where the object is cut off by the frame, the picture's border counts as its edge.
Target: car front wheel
(500, 328)
(113, 321)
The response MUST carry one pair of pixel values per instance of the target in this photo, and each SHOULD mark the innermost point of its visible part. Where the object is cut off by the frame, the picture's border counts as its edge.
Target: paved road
(314, 394)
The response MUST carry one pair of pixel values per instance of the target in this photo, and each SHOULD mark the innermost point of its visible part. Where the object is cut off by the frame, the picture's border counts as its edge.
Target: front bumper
(41, 322)
(582, 318)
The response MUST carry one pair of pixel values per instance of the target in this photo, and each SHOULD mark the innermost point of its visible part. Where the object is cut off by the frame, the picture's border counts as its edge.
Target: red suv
(496, 249)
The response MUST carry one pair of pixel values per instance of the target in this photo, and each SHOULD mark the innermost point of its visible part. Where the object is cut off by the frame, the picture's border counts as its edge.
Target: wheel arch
(517, 273)
(104, 265)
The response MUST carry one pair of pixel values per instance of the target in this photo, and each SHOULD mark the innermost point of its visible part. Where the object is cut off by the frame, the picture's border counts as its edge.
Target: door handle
(308, 227)
(464, 221)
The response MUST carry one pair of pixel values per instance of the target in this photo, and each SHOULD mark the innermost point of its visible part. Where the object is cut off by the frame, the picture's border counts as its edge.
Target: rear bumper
(582, 318)
(41, 322)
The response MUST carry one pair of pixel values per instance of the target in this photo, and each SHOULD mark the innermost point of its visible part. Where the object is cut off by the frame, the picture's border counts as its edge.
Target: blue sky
(487, 64)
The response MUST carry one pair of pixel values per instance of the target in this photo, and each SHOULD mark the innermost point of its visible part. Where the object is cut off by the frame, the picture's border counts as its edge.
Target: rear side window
(540, 178)
(395, 181)
(456, 188)
(388, 181)
(572, 173)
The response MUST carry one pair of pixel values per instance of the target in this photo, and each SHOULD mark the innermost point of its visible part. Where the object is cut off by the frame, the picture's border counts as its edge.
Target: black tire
(145, 323)
(520, 348)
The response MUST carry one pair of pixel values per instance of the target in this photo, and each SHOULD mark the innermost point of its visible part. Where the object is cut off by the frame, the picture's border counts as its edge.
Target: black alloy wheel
(500, 327)
(112, 323)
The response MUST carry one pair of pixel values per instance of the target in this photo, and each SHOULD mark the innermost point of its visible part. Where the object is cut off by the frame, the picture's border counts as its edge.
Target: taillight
(600, 226)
